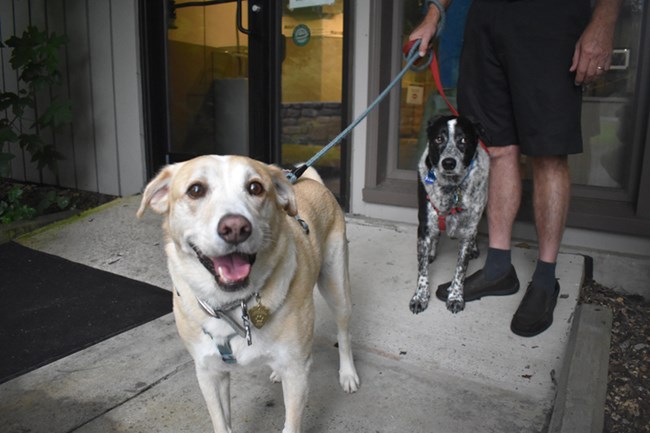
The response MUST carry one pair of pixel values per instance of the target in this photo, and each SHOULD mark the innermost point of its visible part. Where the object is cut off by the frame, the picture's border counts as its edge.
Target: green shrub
(35, 57)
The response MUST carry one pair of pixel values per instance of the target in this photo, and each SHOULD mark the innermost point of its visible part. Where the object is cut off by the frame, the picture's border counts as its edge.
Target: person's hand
(426, 30)
(592, 56)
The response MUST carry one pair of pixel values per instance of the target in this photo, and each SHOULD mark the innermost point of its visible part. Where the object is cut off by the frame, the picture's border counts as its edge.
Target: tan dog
(237, 258)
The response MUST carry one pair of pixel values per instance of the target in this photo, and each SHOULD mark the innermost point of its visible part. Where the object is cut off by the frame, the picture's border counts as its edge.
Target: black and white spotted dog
(452, 192)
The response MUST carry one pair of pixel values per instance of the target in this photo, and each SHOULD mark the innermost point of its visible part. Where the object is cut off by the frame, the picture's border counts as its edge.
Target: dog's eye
(439, 139)
(463, 140)
(255, 188)
(196, 190)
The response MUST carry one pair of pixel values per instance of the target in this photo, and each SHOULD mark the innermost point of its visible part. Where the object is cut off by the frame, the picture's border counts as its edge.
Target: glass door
(262, 78)
(208, 67)
(222, 71)
(312, 109)
(610, 116)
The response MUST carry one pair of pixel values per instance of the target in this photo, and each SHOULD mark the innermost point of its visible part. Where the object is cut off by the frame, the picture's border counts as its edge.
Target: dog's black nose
(448, 163)
(234, 229)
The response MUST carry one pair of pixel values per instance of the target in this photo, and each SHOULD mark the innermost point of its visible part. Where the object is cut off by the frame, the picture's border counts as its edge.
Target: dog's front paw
(275, 377)
(349, 381)
(455, 305)
(418, 303)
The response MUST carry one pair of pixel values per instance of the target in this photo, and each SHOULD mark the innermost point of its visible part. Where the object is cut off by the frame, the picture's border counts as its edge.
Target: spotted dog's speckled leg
(428, 236)
(455, 301)
(474, 252)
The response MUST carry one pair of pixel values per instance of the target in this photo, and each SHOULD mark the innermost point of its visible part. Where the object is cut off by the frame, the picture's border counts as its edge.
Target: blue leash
(410, 59)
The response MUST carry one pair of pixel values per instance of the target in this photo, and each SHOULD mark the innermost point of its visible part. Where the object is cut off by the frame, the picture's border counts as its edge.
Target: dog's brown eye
(255, 188)
(196, 190)
(440, 139)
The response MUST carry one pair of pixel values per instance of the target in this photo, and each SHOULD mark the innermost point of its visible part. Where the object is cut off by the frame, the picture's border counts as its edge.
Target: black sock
(544, 275)
(497, 263)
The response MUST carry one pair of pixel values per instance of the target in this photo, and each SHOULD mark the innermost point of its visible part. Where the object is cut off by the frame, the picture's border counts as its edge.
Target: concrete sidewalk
(434, 372)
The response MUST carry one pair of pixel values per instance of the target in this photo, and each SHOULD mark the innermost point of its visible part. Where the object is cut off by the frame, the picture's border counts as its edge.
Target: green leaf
(6, 157)
(7, 134)
(62, 202)
(35, 58)
(57, 114)
(30, 142)
(5, 163)
(14, 194)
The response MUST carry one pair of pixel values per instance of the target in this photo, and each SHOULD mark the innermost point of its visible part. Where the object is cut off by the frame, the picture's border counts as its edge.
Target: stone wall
(310, 122)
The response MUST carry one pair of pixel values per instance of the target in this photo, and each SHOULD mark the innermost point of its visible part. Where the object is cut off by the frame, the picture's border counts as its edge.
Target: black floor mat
(51, 307)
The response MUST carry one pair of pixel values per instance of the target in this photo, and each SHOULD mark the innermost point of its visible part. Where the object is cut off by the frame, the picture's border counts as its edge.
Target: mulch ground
(627, 408)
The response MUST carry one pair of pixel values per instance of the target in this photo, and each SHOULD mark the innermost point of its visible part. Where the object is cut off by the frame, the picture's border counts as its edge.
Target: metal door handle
(240, 26)
(620, 59)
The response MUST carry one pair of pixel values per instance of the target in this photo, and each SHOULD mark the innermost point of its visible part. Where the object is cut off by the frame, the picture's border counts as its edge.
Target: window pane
(608, 110)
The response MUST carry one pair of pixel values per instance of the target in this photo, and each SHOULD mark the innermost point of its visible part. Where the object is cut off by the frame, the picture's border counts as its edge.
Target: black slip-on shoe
(535, 312)
(477, 286)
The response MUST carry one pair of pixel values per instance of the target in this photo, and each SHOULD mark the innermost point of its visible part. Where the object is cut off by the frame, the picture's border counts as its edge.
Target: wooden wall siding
(103, 147)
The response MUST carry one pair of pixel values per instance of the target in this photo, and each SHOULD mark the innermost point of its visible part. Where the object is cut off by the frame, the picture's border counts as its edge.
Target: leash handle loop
(411, 49)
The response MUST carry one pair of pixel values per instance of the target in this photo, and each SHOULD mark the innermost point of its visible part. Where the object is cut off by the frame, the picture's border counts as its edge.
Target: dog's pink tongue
(233, 267)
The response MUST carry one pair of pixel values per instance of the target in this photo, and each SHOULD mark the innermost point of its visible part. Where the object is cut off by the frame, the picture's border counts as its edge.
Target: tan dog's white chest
(216, 333)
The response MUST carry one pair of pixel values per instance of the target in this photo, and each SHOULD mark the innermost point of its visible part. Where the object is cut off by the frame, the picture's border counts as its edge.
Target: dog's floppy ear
(480, 131)
(432, 121)
(284, 191)
(156, 194)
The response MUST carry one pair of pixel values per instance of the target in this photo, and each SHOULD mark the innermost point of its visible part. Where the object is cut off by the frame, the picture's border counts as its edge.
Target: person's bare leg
(551, 193)
(504, 197)
(504, 194)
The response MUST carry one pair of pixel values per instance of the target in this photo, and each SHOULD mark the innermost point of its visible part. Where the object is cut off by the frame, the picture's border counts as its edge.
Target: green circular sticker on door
(301, 35)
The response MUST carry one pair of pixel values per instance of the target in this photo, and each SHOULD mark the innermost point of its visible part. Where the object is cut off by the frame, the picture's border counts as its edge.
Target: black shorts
(514, 74)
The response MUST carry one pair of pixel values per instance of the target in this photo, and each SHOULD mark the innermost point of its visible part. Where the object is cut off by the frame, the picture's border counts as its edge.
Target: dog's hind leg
(334, 286)
(455, 301)
(216, 392)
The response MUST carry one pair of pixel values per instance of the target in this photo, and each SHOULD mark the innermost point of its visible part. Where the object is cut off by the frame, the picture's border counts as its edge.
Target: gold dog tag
(259, 314)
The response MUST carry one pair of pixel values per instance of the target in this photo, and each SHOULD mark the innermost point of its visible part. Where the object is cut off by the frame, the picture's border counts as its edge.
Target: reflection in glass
(312, 76)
